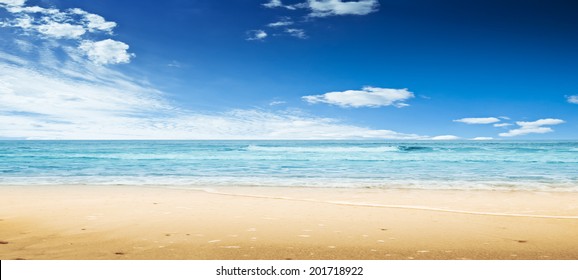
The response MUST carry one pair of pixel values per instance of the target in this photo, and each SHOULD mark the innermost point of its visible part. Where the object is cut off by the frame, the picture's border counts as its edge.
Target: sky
(303, 69)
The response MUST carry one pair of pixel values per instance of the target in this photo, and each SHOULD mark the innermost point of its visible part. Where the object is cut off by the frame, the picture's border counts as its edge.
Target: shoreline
(136, 222)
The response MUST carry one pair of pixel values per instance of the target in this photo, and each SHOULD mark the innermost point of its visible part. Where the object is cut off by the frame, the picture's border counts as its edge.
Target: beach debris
(522, 241)
(4, 242)
(119, 253)
(19, 259)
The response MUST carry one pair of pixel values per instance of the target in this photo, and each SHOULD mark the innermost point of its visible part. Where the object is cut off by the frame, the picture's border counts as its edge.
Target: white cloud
(573, 99)
(256, 35)
(445, 137)
(13, 2)
(502, 124)
(106, 51)
(537, 127)
(324, 8)
(32, 10)
(174, 64)
(367, 97)
(69, 24)
(273, 4)
(282, 22)
(482, 139)
(94, 22)
(276, 103)
(295, 32)
(541, 122)
(61, 30)
(478, 120)
(316, 8)
(75, 99)
(278, 4)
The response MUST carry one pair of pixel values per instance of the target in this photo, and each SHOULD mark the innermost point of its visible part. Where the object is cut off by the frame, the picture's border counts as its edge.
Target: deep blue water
(551, 165)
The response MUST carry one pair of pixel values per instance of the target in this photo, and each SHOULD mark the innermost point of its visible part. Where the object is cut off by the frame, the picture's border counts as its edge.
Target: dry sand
(124, 222)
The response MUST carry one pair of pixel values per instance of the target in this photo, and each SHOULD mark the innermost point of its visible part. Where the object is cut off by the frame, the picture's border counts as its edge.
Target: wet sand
(129, 222)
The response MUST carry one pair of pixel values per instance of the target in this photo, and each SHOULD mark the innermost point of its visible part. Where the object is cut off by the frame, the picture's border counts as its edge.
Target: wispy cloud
(256, 35)
(13, 3)
(75, 24)
(279, 4)
(276, 103)
(367, 97)
(273, 4)
(536, 127)
(71, 98)
(296, 32)
(284, 21)
(482, 139)
(502, 124)
(324, 8)
(489, 120)
(318, 9)
(445, 138)
(573, 99)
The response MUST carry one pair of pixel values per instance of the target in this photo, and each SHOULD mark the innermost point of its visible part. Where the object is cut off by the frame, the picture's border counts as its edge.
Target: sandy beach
(133, 222)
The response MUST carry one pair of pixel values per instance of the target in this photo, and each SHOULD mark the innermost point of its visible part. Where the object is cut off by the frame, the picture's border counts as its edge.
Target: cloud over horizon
(74, 99)
(540, 126)
(366, 97)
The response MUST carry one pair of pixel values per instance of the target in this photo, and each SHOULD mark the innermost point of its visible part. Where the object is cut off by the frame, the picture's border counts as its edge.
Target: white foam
(325, 149)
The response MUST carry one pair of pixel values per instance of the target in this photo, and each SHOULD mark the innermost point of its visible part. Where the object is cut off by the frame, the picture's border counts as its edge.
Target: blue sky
(308, 69)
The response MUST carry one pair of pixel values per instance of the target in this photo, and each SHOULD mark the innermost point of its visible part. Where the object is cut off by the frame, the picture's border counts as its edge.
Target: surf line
(375, 205)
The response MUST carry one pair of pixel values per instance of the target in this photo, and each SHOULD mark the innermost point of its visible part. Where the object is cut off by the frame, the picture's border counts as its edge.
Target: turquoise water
(381, 164)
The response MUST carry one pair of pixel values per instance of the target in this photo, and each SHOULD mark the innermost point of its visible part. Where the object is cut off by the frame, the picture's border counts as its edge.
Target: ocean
(499, 165)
